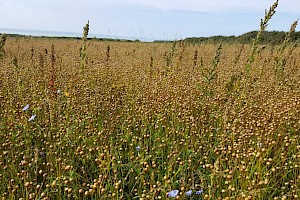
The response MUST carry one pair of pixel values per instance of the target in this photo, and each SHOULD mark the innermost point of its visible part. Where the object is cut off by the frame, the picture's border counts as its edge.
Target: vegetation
(2, 43)
(269, 37)
(68, 38)
(149, 120)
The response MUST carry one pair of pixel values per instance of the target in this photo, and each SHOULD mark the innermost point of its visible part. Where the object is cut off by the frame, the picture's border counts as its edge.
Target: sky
(158, 19)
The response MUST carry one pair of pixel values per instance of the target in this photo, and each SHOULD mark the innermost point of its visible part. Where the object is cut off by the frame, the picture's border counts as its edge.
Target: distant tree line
(269, 37)
(72, 37)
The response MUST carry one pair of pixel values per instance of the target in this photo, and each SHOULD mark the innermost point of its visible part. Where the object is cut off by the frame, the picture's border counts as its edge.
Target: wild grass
(2, 43)
(148, 121)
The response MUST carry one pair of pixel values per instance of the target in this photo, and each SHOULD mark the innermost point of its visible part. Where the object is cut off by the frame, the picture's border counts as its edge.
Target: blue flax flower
(199, 192)
(189, 193)
(32, 117)
(25, 107)
(173, 193)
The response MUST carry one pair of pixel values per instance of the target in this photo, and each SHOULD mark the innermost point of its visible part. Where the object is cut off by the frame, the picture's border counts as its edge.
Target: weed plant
(2, 43)
(84, 47)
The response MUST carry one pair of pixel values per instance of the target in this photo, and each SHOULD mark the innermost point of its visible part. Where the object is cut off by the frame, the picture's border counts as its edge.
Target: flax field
(90, 119)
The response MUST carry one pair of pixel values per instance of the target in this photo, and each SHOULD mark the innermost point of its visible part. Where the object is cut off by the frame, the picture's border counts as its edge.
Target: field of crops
(133, 120)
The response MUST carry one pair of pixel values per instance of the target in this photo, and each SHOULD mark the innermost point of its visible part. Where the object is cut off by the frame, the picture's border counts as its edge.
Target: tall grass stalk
(263, 26)
(169, 59)
(233, 85)
(195, 59)
(84, 46)
(280, 59)
(2, 44)
(210, 75)
(107, 53)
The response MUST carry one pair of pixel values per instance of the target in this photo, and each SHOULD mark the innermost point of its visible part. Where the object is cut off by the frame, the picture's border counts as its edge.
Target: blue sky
(163, 19)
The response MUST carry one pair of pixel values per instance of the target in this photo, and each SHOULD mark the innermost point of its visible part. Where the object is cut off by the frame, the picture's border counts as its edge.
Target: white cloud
(209, 5)
(156, 17)
(169, 5)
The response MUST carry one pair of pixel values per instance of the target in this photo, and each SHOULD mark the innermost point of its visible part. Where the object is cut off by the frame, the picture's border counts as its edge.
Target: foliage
(269, 37)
